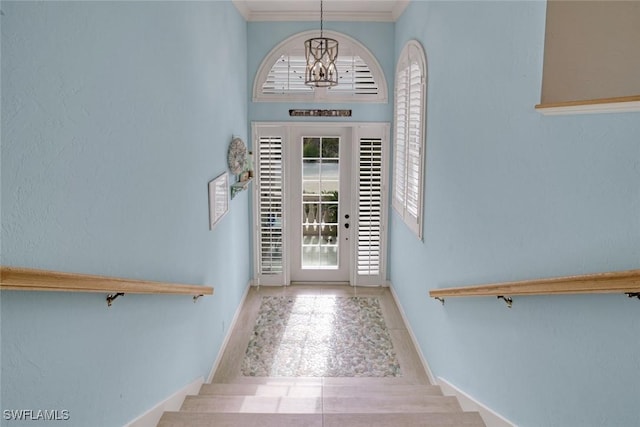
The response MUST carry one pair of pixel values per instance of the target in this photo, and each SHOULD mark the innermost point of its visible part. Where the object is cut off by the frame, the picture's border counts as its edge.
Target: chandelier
(321, 54)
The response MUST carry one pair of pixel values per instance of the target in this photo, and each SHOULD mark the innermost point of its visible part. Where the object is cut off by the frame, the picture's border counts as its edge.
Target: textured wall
(512, 195)
(264, 36)
(115, 115)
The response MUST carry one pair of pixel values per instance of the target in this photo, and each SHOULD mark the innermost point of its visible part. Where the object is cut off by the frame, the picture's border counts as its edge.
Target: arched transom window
(281, 74)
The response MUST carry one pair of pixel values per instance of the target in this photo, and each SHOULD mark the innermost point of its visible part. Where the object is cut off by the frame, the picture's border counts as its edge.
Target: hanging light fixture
(321, 54)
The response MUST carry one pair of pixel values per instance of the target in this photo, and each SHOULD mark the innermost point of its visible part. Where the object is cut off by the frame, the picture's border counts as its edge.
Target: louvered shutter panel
(370, 205)
(286, 76)
(288, 73)
(410, 104)
(414, 142)
(400, 155)
(270, 204)
(354, 77)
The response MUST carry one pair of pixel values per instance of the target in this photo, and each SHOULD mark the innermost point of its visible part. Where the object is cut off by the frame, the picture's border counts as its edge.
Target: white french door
(320, 208)
(320, 204)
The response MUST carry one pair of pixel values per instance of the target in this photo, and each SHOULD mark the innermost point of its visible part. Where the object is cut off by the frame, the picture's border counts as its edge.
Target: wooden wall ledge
(28, 279)
(622, 104)
(599, 283)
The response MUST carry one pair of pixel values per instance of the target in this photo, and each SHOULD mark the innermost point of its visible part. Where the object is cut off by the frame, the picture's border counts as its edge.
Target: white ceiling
(309, 10)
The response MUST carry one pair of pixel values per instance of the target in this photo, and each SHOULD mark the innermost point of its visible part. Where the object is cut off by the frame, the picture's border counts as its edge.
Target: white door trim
(358, 130)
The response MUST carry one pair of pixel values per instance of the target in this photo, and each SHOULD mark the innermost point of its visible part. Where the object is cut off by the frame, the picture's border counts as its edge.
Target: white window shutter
(270, 184)
(409, 143)
(400, 154)
(287, 76)
(414, 143)
(370, 207)
(354, 77)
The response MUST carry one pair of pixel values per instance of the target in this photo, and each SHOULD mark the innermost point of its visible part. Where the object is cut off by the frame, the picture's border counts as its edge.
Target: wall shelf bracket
(195, 298)
(507, 300)
(633, 294)
(112, 297)
(240, 186)
(440, 299)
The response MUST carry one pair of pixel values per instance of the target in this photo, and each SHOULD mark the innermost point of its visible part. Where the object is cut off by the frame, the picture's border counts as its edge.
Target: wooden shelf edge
(28, 279)
(598, 283)
(623, 104)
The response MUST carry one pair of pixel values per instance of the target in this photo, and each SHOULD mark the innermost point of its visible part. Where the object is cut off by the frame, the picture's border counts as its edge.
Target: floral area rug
(315, 336)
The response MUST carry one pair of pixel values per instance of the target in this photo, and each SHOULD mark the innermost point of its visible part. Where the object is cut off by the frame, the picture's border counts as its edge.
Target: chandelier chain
(321, 18)
(321, 54)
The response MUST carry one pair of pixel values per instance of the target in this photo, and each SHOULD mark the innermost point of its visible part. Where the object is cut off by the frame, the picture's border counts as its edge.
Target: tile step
(315, 390)
(253, 404)
(402, 380)
(390, 404)
(275, 390)
(317, 405)
(373, 390)
(433, 419)
(200, 419)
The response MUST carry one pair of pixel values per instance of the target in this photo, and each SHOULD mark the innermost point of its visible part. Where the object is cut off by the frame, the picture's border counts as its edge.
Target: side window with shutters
(270, 206)
(409, 141)
(370, 208)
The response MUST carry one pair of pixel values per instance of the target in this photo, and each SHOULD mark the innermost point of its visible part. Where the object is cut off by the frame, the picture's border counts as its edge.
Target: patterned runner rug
(314, 336)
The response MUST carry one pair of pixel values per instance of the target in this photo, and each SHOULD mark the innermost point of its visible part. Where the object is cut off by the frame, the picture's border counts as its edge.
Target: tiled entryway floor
(230, 368)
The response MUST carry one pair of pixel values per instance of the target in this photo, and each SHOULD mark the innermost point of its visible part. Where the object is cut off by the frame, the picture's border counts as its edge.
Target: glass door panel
(320, 201)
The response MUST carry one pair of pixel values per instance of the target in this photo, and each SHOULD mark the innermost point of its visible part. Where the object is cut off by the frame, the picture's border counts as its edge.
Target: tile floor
(410, 370)
(320, 335)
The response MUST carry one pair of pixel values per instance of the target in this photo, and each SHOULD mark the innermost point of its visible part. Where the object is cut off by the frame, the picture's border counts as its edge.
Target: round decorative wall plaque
(237, 156)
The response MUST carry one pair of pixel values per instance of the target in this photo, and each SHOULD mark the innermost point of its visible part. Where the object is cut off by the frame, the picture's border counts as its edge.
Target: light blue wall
(115, 115)
(376, 36)
(513, 195)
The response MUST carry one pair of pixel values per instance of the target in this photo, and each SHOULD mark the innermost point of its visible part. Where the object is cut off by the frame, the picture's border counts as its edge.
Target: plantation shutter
(354, 77)
(414, 143)
(400, 161)
(409, 138)
(270, 205)
(287, 76)
(288, 73)
(370, 205)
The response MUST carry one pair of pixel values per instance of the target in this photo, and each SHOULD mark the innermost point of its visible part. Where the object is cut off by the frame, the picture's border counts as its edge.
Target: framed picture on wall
(218, 199)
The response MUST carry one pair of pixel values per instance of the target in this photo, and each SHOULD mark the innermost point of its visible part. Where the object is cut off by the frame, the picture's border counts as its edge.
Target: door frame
(358, 130)
(341, 274)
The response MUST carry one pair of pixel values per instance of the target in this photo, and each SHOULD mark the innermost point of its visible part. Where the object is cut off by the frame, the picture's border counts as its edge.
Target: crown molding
(242, 8)
(282, 16)
(315, 16)
(399, 8)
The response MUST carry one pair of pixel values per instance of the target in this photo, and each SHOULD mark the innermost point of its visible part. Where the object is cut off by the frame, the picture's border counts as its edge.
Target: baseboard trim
(468, 403)
(230, 329)
(171, 403)
(423, 360)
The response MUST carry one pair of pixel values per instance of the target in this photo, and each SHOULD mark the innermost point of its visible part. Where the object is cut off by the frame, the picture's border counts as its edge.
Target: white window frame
(408, 121)
(294, 45)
